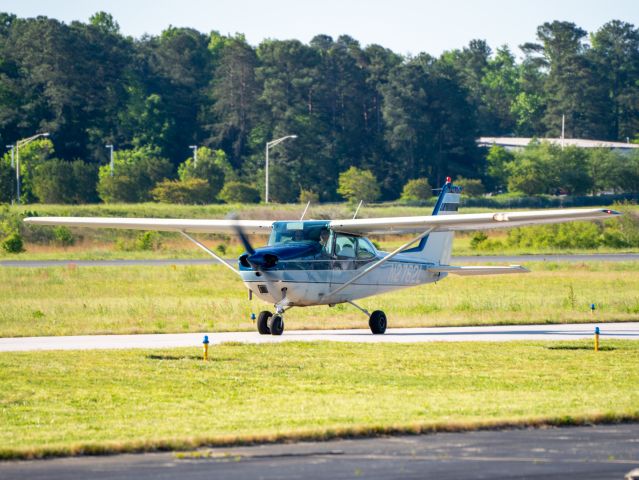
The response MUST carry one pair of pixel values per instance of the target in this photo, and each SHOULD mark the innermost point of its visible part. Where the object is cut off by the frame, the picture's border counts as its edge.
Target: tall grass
(89, 300)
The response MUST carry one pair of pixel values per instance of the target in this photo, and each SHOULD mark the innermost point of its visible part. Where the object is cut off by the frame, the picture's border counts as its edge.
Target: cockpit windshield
(286, 232)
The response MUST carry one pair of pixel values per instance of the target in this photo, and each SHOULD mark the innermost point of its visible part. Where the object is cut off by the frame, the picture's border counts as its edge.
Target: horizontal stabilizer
(478, 270)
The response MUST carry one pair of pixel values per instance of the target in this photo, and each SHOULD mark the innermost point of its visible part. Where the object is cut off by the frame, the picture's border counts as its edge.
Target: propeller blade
(240, 233)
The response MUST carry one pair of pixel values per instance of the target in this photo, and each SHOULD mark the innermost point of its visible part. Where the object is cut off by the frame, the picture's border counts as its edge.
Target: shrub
(13, 243)
(7, 180)
(212, 166)
(136, 172)
(417, 189)
(63, 236)
(190, 191)
(471, 186)
(238, 192)
(308, 196)
(147, 241)
(356, 184)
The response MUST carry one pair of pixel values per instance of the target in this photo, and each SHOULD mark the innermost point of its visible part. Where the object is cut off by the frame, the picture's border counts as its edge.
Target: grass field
(89, 300)
(60, 403)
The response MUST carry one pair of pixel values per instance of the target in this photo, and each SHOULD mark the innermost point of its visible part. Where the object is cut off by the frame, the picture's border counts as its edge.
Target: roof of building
(521, 142)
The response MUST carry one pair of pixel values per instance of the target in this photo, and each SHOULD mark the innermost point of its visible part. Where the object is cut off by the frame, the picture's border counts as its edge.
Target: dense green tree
(615, 52)
(416, 190)
(430, 122)
(572, 87)
(212, 166)
(191, 191)
(356, 184)
(7, 180)
(238, 192)
(136, 172)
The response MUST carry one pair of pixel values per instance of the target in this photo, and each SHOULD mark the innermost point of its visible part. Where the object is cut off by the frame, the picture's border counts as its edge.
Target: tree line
(400, 118)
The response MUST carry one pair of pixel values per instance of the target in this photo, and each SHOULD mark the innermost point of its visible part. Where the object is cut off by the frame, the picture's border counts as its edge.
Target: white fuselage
(306, 287)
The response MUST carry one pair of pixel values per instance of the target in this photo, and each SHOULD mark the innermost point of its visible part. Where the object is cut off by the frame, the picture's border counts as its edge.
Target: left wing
(472, 221)
(159, 224)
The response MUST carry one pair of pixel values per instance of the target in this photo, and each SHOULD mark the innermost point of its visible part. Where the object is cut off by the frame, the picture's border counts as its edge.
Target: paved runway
(628, 330)
(600, 452)
(515, 259)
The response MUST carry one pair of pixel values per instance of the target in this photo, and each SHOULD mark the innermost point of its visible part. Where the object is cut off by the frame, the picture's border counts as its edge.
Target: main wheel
(377, 322)
(262, 322)
(276, 324)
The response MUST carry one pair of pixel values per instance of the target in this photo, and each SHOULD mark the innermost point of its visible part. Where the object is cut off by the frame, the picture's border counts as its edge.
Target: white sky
(405, 26)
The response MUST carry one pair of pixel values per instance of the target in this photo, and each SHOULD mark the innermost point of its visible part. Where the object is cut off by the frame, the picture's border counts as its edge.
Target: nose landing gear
(269, 324)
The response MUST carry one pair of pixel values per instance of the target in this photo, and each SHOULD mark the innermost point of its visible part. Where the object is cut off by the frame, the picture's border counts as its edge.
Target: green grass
(62, 403)
(89, 300)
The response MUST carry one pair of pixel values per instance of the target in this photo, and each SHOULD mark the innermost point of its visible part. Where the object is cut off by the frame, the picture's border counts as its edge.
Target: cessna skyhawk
(327, 262)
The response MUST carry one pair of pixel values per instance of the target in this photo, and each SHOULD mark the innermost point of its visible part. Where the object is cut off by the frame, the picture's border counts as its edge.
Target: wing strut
(379, 262)
(210, 252)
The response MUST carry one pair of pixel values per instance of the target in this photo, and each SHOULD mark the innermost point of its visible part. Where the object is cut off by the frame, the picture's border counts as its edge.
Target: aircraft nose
(259, 261)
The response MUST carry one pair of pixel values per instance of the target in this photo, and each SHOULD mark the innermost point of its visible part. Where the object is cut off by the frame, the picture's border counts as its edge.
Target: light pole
(270, 144)
(12, 147)
(194, 148)
(22, 143)
(110, 147)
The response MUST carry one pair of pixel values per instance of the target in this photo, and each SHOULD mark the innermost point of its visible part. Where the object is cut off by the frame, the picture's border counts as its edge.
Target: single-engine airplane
(327, 262)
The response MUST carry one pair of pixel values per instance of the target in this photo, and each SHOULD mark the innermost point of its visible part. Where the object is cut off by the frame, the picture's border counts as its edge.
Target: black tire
(262, 322)
(377, 322)
(276, 324)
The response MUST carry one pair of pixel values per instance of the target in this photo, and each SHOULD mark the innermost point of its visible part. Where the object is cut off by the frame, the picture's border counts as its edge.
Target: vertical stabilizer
(437, 247)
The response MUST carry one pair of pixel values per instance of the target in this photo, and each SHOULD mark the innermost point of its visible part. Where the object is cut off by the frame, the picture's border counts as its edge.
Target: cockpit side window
(345, 246)
(365, 250)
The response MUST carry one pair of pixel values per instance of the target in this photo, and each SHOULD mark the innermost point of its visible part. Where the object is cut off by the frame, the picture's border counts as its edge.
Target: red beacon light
(449, 180)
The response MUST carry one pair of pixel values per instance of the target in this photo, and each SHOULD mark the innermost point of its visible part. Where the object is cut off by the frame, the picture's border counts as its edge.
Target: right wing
(469, 221)
(159, 224)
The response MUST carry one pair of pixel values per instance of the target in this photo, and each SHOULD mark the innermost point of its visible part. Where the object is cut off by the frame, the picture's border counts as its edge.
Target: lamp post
(111, 164)
(22, 143)
(270, 144)
(194, 148)
(12, 147)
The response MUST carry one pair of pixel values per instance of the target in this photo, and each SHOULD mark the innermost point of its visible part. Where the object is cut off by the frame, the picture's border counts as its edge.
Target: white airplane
(327, 262)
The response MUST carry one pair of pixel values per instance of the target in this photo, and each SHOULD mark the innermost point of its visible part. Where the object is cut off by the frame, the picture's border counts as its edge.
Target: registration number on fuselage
(404, 273)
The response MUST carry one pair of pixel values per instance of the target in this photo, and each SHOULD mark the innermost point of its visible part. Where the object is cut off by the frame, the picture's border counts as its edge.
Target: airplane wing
(479, 270)
(472, 221)
(159, 224)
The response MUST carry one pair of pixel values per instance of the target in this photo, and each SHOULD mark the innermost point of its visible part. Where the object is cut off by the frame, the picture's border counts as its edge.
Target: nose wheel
(269, 324)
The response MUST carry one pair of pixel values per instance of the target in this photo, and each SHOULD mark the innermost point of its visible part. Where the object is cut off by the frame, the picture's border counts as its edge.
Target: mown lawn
(89, 300)
(60, 403)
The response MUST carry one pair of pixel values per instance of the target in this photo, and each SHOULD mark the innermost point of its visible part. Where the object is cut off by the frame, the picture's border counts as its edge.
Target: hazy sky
(405, 26)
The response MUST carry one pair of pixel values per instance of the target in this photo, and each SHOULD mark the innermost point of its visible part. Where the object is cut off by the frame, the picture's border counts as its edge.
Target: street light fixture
(110, 147)
(22, 143)
(270, 144)
(194, 148)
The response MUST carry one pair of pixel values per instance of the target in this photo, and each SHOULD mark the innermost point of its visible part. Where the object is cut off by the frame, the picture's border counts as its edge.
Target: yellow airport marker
(596, 339)
(205, 343)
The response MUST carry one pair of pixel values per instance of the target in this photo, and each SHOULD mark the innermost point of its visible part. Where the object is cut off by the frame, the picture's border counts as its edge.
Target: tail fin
(437, 247)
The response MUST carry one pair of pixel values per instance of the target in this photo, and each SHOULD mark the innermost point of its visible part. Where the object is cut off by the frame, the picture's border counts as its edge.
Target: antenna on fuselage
(307, 205)
(358, 207)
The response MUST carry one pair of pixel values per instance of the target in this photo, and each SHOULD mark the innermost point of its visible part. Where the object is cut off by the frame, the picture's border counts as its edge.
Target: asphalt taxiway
(501, 333)
(596, 452)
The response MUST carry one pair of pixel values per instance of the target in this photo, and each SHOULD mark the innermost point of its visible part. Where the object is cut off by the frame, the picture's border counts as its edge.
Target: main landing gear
(269, 324)
(376, 320)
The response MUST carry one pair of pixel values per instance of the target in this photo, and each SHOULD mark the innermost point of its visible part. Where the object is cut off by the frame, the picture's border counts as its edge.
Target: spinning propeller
(259, 261)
